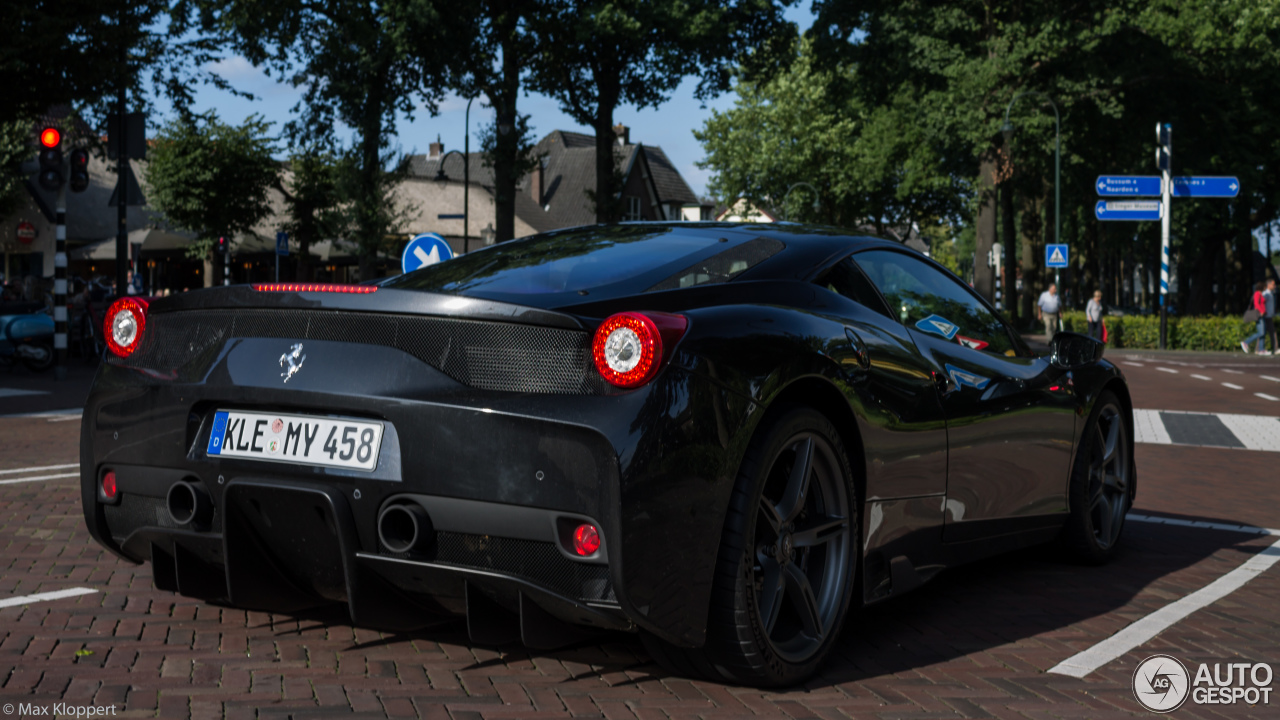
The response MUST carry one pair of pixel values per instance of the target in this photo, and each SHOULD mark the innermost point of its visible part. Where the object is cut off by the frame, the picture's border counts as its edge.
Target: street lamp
(1007, 129)
(466, 177)
(814, 190)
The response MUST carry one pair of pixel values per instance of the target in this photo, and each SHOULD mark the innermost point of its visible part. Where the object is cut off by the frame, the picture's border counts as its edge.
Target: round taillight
(124, 324)
(109, 484)
(586, 540)
(627, 349)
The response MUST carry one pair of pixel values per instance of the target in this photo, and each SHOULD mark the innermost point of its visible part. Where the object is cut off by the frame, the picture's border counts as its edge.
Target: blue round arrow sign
(425, 249)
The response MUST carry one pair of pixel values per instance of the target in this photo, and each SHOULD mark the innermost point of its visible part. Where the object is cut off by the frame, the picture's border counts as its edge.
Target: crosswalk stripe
(1233, 387)
(1225, 430)
(1201, 377)
(1265, 396)
(1168, 370)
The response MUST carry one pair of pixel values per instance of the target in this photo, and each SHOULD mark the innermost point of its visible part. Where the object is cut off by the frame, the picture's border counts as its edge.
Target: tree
(211, 178)
(594, 56)
(494, 65)
(869, 165)
(311, 194)
(359, 63)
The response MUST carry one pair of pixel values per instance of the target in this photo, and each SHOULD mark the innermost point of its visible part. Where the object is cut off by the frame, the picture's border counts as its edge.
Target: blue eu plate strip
(215, 436)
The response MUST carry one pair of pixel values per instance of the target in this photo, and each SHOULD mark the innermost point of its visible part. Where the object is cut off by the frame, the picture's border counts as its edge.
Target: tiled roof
(569, 172)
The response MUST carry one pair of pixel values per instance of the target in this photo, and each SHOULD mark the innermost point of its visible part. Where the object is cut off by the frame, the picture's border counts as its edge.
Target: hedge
(1185, 333)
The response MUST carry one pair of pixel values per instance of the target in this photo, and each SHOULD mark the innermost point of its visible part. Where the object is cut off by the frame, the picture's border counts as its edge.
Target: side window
(844, 278)
(928, 300)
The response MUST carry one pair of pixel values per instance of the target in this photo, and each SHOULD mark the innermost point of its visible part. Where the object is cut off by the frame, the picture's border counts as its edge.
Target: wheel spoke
(798, 482)
(1107, 514)
(802, 599)
(819, 533)
(1111, 443)
(1114, 481)
(771, 594)
(771, 515)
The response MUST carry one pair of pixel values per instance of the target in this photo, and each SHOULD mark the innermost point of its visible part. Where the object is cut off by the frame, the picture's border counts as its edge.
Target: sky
(669, 126)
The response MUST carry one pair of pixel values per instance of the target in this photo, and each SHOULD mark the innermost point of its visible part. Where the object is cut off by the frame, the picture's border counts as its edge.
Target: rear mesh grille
(538, 561)
(486, 355)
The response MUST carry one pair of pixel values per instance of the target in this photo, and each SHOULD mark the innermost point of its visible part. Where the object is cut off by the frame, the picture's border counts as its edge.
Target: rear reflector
(586, 540)
(315, 287)
(109, 485)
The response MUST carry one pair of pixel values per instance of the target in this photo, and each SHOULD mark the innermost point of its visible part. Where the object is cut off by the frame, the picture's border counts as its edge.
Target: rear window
(574, 263)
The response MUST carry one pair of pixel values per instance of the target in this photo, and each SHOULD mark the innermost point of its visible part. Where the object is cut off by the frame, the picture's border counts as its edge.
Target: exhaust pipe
(188, 504)
(405, 528)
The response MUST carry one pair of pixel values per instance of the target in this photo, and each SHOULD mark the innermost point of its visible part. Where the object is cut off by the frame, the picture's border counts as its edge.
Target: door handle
(859, 349)
(944, 383)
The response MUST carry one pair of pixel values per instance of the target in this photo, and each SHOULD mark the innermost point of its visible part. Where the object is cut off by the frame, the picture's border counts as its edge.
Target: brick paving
(975, 643)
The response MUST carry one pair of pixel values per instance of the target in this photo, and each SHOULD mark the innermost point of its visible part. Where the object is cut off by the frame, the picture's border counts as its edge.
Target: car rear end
(408, 454)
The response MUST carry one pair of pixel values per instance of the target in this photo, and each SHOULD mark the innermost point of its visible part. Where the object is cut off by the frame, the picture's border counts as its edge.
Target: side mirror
(1070, 350)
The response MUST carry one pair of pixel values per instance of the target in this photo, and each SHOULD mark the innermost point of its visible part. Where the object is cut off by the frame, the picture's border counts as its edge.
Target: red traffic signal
(79, 180)
(50, 137)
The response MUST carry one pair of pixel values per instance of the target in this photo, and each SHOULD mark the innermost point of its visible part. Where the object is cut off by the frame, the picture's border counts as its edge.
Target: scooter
(26, 334)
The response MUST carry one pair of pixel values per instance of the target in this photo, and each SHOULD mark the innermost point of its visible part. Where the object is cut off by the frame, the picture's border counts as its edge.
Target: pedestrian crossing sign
(1055, 256)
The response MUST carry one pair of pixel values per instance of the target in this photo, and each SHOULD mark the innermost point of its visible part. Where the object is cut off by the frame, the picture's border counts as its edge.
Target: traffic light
(223, 244)
(79, 179)
(50, 159)
(1164, 145)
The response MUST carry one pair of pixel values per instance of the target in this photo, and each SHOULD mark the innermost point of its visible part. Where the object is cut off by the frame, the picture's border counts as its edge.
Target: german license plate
(300, 439)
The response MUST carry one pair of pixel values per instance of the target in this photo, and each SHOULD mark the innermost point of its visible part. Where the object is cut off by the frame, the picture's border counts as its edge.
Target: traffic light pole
(60, 287)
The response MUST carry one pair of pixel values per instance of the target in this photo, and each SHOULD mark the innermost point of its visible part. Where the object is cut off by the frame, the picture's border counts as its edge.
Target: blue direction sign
(1055, 256)
(1128, 185)
(1129, 210)
(282, 243)
(1224, 187)
(426, 249)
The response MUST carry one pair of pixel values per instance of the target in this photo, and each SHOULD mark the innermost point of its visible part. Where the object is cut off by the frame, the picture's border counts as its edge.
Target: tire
(41, 363)
(1102, 485)
(787, 561)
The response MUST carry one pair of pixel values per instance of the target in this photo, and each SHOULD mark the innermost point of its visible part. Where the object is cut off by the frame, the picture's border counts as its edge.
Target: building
(554, 195)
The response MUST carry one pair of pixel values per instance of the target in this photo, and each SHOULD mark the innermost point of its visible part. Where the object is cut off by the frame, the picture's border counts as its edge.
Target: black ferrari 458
(719, 436)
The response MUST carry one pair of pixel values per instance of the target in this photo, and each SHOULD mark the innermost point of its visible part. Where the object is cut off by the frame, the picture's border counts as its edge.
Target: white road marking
(1201, 377)
(37, 469)
(1168, 370)
(41, 597)
(1255, 431)
(18, 392)
(1126, 362)
(1265, 396)
(1083, 663)
(1268, 377)
(1233, 387)
(1233, 372)
(39, 477)
(1149, 428)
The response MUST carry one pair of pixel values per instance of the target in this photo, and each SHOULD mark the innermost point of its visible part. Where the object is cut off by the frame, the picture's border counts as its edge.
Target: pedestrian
(1048, 310)
(1269, 318)
(1256, 313)
(1093, 313)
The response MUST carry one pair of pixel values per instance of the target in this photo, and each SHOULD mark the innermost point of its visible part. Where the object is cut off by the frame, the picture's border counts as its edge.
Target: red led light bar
(315, 287)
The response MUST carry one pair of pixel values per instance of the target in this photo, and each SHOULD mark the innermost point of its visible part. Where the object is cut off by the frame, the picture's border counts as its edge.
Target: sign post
(1057, 256)
(282, 248)
(1164, 159)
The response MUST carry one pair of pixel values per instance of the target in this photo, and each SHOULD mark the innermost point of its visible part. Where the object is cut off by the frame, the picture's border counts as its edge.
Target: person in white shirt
(1048, 312)
(1093, 313)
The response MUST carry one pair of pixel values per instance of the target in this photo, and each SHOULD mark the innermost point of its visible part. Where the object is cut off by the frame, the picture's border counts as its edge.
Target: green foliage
(358, 62)
(15, 147)
(1211, 333)
(212, 178)
(594, 56)
(869, 163)
(314, 202)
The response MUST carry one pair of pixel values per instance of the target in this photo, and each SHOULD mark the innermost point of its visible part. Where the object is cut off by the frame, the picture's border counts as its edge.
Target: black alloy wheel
(785, 576)
(802, 548)
(1102, 484)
